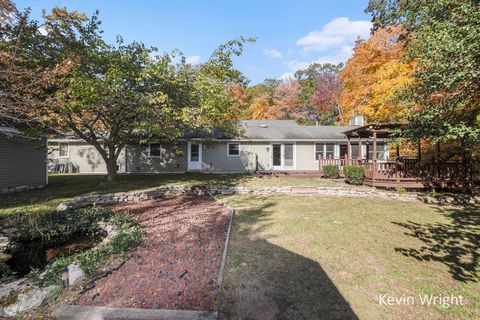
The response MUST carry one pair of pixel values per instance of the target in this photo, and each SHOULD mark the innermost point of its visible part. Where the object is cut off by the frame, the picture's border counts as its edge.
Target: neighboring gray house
(22, 161)
(265, 145)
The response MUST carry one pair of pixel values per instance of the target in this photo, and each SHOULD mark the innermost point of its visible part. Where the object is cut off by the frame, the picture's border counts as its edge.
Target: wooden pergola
(374, 132)
(400, 172)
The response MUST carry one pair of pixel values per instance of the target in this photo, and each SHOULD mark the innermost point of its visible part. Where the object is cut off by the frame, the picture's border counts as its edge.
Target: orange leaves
(282, 103)
(375, 75)
(262, 109)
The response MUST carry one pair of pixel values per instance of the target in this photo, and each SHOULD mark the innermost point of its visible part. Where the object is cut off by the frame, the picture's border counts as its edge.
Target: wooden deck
(409, 173)
(290, 173)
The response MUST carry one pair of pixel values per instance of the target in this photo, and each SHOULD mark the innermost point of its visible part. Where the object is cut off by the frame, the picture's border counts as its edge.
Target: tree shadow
(265, 281)
(455, 244)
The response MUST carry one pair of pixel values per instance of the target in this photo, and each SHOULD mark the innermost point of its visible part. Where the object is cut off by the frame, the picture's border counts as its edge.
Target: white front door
(194, 156)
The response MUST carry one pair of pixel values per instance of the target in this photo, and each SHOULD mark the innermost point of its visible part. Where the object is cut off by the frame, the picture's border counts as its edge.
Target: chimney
(357, 120)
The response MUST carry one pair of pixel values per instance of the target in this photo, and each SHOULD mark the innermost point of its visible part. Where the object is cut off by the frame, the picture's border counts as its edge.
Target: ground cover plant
(48, 241)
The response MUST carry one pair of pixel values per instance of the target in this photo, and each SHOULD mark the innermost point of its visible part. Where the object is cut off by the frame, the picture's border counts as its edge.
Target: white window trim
(68, 150)
(282, 159)
(315, 159)
(150, 149)
(228, 150)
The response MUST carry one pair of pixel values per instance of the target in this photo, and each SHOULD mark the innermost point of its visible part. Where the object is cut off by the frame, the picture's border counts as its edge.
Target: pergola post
(398, 151)
(374, 156)
(349, 155)
(359, 157)
(419, 151)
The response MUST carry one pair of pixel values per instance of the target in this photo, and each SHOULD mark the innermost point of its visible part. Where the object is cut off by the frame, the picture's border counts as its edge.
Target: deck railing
(408, 172)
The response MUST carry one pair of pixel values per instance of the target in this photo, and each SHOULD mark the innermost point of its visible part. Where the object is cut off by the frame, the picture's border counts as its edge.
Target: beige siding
(139, 160)
(305, 156)
(84, 157)
(22, 162)
(215, 158)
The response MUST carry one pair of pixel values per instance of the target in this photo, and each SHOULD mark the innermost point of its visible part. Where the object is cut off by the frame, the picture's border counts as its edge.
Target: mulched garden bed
(177, 265)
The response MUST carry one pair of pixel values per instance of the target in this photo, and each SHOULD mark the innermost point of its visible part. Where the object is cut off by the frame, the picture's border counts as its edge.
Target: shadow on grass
(455, 244)
(264, 281)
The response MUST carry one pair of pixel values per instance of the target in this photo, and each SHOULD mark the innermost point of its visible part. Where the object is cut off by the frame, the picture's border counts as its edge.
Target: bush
(48, 225)
(331, 171)
(354, 174)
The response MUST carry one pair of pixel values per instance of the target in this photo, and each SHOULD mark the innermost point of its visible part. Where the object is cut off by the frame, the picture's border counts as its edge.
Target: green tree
(112, 95)
(444, 41)
(309, 78)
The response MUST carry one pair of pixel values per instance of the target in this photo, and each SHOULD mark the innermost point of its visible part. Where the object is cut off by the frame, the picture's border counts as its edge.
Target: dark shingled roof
(289, 129)
(268, 130)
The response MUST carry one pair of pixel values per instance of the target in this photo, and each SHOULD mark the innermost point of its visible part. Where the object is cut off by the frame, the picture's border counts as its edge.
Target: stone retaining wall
(155, 193)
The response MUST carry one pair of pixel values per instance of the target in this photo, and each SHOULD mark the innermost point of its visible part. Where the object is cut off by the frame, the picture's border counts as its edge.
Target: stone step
(304, 190)
(74, 312)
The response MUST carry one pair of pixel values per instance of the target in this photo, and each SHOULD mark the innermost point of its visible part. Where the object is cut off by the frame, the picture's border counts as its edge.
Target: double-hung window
(63, 150)
(318, 151)
(329, 150)
(154, 150)
(233, 149)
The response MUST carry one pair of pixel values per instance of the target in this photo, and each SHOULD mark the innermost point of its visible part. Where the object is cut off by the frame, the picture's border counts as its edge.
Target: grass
(310, 257)
(63, 187)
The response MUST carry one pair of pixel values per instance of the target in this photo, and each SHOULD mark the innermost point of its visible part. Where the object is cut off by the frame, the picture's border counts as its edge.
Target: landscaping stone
(4, 242)
(111, 229)
(13, 286)
(5, 257)
(155, 193)
(27, 299)
(75, 274)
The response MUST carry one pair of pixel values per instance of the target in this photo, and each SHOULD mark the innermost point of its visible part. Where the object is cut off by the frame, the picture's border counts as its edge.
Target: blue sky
(290, 33)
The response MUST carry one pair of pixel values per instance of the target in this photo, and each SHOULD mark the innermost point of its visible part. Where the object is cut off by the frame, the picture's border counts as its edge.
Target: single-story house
(265, 145)
(23, 161)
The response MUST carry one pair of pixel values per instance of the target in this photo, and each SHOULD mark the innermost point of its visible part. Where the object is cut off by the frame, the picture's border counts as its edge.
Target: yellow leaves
(262, 109)
(374, 75)
(64, 14)
(391, 78)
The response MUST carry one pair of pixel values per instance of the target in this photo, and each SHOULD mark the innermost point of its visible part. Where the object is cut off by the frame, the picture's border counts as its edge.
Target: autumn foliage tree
(110, 94)
(286, 99)
(374, 77)
(445, 43)
(280, 102)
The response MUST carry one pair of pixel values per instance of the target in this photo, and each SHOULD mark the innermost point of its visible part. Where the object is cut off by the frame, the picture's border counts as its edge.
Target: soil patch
(177, 265)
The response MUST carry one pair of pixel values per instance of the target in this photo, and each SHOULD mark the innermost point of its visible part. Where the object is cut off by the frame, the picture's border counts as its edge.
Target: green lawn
(313, 257)
(62, 187)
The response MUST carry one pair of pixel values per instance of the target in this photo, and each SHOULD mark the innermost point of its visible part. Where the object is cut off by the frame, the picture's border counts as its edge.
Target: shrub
(331, 171)
(51, 224)
(354, 174)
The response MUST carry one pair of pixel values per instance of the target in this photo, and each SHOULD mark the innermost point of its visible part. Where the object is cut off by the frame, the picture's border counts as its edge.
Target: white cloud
(193, 60)
(336, 33)
(272, 53)
(333, 43)
(340, 55)
(287, 76)
(295, 65)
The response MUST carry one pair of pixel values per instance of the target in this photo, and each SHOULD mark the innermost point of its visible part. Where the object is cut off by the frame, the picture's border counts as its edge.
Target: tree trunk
(112, 171)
